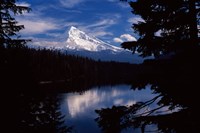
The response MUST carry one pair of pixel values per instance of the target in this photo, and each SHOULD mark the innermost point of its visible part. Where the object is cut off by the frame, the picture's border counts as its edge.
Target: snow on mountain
(79, 40)
(79, 43)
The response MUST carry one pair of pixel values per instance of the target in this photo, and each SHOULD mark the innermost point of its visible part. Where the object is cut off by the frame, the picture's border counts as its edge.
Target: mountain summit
(79, 40)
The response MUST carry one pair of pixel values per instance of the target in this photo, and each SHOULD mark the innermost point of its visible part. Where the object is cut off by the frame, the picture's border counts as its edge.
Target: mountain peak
(72, 28)
(75, 32)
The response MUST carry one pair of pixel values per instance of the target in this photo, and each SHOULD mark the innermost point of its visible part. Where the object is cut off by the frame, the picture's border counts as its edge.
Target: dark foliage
(176, 84)
(168, 26)
(9, 26)
(24, 66)
(39, 113)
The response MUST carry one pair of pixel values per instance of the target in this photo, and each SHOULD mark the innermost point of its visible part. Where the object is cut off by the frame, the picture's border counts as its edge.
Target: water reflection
(80, 107)
(176, 83)
(39, 113)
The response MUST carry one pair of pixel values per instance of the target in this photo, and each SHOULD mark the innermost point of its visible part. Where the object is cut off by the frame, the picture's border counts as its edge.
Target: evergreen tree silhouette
(167, 26)
(9, 27)
(40, 113)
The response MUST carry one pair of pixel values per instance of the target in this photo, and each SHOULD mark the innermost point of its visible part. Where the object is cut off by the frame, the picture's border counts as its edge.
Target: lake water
(79, 108)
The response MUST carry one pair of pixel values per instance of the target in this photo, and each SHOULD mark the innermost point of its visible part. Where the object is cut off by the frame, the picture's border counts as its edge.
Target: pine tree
(8, 25)
(168, 26)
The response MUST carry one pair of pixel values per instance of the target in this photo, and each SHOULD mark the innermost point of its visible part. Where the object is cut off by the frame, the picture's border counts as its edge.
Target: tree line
(27, 66)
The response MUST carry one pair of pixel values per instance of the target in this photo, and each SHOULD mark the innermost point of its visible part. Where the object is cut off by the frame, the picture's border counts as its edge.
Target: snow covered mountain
(79, 40)
(79, 43)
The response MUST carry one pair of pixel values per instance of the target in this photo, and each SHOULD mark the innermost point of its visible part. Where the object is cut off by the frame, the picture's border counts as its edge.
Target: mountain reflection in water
(79, 108)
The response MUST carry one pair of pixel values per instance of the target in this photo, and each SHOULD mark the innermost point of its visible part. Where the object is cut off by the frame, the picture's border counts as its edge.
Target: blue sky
(108, 20)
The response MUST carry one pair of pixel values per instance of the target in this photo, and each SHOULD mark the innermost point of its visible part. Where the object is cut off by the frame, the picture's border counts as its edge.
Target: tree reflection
(111, 120)
(175, 83)
(41, 114)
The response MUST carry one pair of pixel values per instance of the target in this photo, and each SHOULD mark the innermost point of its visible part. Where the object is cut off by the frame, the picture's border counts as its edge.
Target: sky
(49, 20)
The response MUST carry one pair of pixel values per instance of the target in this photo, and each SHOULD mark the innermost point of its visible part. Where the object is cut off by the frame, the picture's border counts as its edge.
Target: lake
(79, 108)
(112, 108)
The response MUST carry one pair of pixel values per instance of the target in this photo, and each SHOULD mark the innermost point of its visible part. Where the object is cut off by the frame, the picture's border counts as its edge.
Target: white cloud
(104, 22)
(23, 4)
(47, 44)
(57, 35)
(98, 28)
(128, 37)
(36, 23)
(118, 40)
(96, 31)
(135, 20)
(122, 4)
(124, 37)
(119, 102)
(37, 26)
(71, 24)
(101, 33)
(70, 3)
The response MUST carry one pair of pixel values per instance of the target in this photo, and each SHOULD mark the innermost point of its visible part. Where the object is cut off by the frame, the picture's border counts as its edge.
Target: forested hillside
(31, 66)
